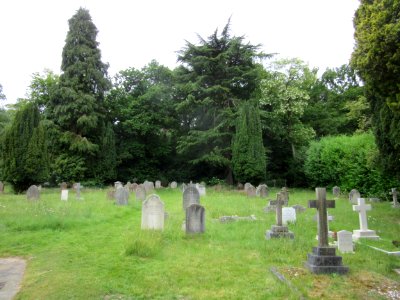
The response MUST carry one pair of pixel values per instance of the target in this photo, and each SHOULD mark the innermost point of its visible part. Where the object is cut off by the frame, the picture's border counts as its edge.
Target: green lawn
(93, 249)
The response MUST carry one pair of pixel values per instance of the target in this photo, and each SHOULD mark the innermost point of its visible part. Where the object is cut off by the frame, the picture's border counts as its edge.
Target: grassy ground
(93, 249)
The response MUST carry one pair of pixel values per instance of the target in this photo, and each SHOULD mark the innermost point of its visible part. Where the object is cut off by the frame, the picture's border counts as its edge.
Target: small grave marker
(195, 219)
(64, 195)
(345, 241)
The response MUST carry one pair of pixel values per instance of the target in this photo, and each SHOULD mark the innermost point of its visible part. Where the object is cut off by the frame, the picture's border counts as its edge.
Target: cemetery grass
(93, 249)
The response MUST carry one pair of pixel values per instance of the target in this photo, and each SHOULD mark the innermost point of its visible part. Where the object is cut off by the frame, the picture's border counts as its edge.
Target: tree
(25, 150)
(376, 58)
(214, 78)
(76, 110)
(248, 152)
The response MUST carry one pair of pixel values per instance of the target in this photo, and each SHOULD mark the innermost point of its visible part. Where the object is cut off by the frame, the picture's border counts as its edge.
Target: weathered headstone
(246, 186)
(251, 191)
(190, 196)
(353, 196)
(78, 190)
(285, 195)
(201, 188)
(133, 187)
(323, 259)
(363, 232)
(174, 185)
(262, 191)
(149, 187)
(336, 191)
(183, 187)
(64, 185)
(118, 184)
(299, 209)
(158, 184)
(121, 196)
(288, 215)
(64, 195)
(153, 213)
(394, 195)
(345, 241)
(240, 186)
(33, 193)
(279, 230)
(195, 219)
(140, 193)
(1, 187)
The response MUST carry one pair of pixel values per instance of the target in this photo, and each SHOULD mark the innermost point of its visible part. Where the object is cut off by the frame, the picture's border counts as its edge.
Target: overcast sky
(132, 33)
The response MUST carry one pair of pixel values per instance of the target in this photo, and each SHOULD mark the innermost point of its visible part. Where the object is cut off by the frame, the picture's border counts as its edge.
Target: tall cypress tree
(25, 151)
(248, 152)
(77, 108)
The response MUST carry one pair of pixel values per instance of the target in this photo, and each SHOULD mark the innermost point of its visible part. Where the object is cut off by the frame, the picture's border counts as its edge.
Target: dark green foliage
(346, 161)
(25, 150)
(377, 60)
(248, 152)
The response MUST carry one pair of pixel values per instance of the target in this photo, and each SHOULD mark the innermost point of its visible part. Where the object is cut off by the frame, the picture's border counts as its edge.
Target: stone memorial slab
(288, 215)
(140, 193)
(323, 259)
(118, 184)
(33, 193)
(174, 185)
(78, 190)
(336, 191)
(158, 184)
(121, 196)
(195, 219)
(240, 186)
(63, 185)
(363, 232)
(353, 196)
(133, 187)
(299, 209)
(262, 191)
(285, 195)
(246, 186)
(184, 186)
(190, 196)
(153, 213)
(64, 195)
(201, 188)
(149, 187)
(251, 191)
(394, 195)
(345, 241)
(11, 273)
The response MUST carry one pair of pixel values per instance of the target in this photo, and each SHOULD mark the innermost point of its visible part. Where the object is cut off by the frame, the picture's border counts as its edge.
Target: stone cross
(321, 204)
(362, 209)
(394, 194)
(278, 202)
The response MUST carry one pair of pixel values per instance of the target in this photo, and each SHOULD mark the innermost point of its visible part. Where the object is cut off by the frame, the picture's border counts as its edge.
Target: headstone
(64, 186)
(195, 219)
(246, 186)
(118, 184)
(251, 191)
(149, 187)
(1, 187)
(394, 195)
(201, 188)
(336, 191)
(140, 193)
(121, 196)
(33, 193)
(128, 186)
(133, 187)
(364, 232)
(39, 188)
(323, 259)
(110, 194)
(78, 190)
(299, 209)
(191, 196)
(158, 184)
(288, 215)
(279, 230)
(64, 195)
(240, 186)
(184, 186)
(353, 196)
(345, 241)
(174, 185)
(262, 191)
(153, 213)
(285, 195)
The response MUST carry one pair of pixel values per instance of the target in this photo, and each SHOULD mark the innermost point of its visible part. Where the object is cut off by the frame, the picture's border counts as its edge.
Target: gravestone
(363, 232)
(323, 259)
(174, 185)
(149, 187)
(33, 193)
(201, 188)
(1, 187)
(64, 195)
(133, 187)
(118, 184)
(240, 186)
(128, 186)
(78, 190)
(195, 219)
(299, 209)
(353, 196)
(121, 196)
(246, 186)
(110, 194)
(285, 195)
(153, 213)
(251, 191)
(158, 184)
(262, 191)
(336, 191)
(345, 241)
(191, 196)
(279, 230)
(184, 186)
(394, 195)
(64, 186)
(288, 215)
(140, 193)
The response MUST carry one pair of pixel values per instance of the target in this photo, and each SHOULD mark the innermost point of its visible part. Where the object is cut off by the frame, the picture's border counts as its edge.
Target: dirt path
(11, 273)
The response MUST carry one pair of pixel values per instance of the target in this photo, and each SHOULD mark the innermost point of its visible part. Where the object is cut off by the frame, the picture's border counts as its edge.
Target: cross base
(365, 234)
(324, 261)
(279, 232)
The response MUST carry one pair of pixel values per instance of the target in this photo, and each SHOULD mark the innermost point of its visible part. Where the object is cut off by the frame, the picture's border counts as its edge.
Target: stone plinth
(279, 232)
(323, 260)
(365, 234)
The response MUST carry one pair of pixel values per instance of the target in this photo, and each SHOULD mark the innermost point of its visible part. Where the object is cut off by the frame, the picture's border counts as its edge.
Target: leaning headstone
(279, 230)
(158, 184)
(140, 193)
(64, 186)
(190, 196)
(363, 232)
(195, 219)
(394, 195)
(153, 213)
(336, 191)
(201, 188)
(251, 191)
(353, 196)
(345, 241)
(1, 187)
(64, 195)
(121, 196)
(323, 259)
(262, 191)
(33, 193)
(288, 215)
(174, 185)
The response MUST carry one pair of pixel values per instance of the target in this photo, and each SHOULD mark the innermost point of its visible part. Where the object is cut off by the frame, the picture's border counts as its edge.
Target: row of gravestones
(261, 191)
(33, 192)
